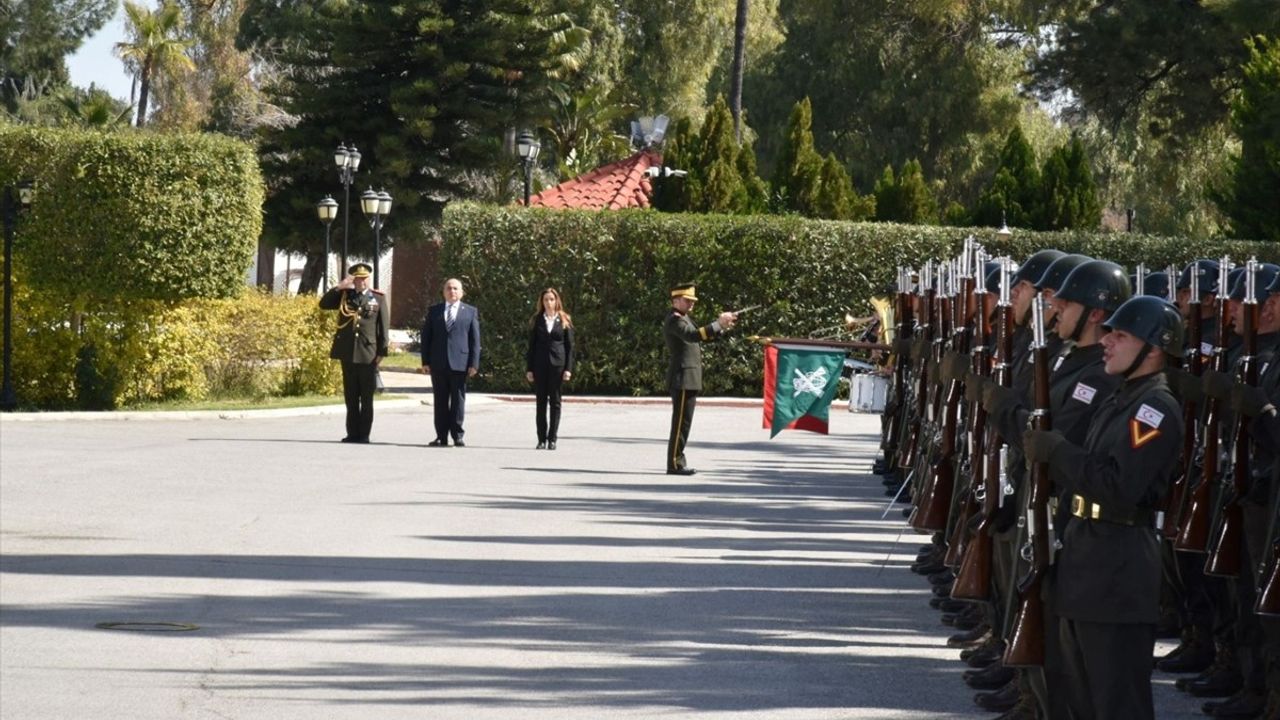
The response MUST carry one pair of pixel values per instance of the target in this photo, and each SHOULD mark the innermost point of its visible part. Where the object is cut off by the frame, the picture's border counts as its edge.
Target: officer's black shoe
(438, 442)
(362, 441)
(551, 444)
(1220, 683)
(985, 656)
(459, 443)
(682, 471)
(992, 677)
(965, 619)
(1244, 704)
(969, 638)
(879, 466)
(541, 445)
(942, 590)
(1189, 657)
(947, 605)
(348, 439)
(929, 567)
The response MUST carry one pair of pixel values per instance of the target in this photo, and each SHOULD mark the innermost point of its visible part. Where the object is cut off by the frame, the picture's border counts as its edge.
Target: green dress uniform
(684, 377)
(361, 338)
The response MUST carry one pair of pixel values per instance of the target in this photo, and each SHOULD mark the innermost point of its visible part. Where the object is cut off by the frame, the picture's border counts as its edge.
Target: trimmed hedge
(134, 215)
(614, 269)
(253, 345)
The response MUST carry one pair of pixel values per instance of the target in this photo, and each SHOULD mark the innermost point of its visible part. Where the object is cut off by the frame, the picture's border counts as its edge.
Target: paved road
(494, 581)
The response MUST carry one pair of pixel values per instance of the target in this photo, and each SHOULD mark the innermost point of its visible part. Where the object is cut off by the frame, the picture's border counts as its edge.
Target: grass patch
(270, 403)
(413, 361)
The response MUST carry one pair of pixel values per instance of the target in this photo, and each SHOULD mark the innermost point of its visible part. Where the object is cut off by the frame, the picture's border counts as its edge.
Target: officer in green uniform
(1107, 592)
(360, 342)
(684, 374)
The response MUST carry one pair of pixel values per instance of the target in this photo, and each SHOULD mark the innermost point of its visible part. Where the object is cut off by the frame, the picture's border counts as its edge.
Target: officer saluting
(360, 342)
(684, 374)
(1108, 571)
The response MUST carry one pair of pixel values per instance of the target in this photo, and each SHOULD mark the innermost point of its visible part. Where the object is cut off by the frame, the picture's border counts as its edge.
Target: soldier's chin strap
(1080, 321)
(1133, 366)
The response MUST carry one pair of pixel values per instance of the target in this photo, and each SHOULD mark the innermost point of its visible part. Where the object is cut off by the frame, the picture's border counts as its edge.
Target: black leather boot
(1247, 703)
(1192, 656)
(1024, 710)
(965, 639)
(1223, 681)
(1002, 699)
(990, 678)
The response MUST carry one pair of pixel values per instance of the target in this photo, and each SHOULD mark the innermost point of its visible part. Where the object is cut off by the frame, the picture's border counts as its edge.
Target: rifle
(1026, 641)
(893, 435)
(1269, 579)
(973, 579)
(935, 503)
(1190, 414)
(1193, 535)
(1225, 558)
(924, 296)
(973, 463)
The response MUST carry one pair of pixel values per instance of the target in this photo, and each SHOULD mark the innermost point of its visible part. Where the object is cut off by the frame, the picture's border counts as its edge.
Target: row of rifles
(956, 468)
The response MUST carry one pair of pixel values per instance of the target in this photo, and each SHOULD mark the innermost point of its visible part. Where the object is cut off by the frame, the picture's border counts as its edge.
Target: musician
(1109, 566)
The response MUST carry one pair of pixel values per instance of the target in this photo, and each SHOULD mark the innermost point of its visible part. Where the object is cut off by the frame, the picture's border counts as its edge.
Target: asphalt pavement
(249, 566)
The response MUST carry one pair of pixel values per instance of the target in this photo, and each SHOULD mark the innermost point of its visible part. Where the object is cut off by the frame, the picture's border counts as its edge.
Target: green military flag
(799, 385)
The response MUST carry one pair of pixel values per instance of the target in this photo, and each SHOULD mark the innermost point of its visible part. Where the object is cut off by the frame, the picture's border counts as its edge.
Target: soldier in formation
(1093, 455)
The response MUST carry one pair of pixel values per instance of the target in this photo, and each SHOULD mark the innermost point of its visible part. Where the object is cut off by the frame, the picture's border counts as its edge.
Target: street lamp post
(528, 147)
(376, 207)
(1004, 233)
(11, 206)
(348, 161)
(327, 209)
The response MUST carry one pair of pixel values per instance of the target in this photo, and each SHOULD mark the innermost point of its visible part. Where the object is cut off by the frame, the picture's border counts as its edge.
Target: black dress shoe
(991, 678)
(459, 443)
(347, 439)
(551, 444)
(682, 471)
(943, 577)
(985, 656)
(1244, 704)
(541, 445)
(947, 605)
(438, 443)
(1005, 698)
(362, 441)
(969, 638)
(1024, 710)
(1190, 657)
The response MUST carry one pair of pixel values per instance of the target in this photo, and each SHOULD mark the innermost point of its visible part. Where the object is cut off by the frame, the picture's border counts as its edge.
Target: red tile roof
(621, 184)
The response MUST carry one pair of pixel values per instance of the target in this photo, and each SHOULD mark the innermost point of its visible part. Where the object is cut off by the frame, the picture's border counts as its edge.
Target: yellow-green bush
(253, 345)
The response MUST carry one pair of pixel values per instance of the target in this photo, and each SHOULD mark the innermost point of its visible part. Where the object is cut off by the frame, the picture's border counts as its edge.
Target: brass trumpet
(848, 326)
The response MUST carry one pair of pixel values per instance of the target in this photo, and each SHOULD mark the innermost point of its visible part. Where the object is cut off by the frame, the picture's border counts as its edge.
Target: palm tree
(157, 45)
(739, 66)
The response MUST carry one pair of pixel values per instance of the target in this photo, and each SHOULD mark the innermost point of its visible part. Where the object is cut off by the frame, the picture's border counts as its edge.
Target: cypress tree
(1014, 192)
(799, 168)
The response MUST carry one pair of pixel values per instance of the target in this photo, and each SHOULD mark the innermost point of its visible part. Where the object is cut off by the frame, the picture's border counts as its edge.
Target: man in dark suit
(450, 354)
(360, 342)
(684, 373)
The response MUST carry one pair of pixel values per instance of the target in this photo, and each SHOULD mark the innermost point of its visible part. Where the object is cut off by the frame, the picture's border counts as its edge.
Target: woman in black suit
(549, 362)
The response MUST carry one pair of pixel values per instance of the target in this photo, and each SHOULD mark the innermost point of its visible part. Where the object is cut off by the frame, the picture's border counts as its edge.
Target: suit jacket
(683, 337)
(362, 331)
(549, 348)
(457, 349)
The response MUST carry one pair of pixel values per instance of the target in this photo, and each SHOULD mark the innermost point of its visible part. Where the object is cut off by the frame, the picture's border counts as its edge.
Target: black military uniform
(359, 342)
(684, 375)
(1108, 570)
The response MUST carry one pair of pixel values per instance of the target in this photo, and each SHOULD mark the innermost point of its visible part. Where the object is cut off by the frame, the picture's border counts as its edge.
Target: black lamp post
(327, 210)
(376, 206)
(16, 197)
(348, 161)
(528, 147)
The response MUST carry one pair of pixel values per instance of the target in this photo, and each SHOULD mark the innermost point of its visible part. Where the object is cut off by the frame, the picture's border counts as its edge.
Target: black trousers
(546, 388)
(1108, 669)
(449, 396)
(358, 380)
(682, 406)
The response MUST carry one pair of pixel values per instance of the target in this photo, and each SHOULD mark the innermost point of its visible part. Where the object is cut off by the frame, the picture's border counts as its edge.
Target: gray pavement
(395, 580)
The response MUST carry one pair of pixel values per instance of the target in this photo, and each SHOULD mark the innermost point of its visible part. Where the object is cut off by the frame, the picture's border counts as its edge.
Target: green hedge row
(614, 269)
(134, 214)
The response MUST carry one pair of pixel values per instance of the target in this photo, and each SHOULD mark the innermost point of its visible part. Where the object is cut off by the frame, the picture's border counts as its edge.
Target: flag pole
(820, 343)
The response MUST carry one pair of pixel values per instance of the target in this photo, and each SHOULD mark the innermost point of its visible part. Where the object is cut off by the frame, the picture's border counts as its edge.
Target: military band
(1094, 457)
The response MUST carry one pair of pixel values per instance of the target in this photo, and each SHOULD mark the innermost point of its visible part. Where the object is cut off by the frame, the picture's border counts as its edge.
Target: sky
(95, 63)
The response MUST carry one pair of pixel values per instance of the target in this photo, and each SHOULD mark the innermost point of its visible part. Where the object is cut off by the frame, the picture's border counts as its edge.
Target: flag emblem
(814, 383)
(799, 385)
(1084, 393)
(1149, 415)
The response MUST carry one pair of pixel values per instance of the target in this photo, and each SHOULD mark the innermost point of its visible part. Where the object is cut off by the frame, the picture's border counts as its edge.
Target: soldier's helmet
(1058, 270)
(1156, 284)
(1096, 284)
(1150, 319)
(1035, 266)
(1274, 285)
(1266, 275)
(1207, 270)
(991, 273)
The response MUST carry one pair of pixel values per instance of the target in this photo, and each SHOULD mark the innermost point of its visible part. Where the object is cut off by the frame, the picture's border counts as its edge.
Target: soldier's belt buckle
(1077, 506)
(1093, 511)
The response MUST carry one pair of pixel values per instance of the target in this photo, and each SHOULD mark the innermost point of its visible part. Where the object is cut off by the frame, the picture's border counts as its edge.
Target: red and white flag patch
(1084, 393)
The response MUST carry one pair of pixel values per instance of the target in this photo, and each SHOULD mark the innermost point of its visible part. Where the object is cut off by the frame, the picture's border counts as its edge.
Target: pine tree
(721, 188)
(1014, 192)
(905, 198)
(799, 167)
(1084, 210)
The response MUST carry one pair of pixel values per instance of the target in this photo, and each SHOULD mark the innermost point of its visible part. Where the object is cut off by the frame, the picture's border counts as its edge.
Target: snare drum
(868, 393)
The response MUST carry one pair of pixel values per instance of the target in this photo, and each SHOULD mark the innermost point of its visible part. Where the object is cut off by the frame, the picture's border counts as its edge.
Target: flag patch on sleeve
(1149, 415)
(1206, 349)
(1084, 393)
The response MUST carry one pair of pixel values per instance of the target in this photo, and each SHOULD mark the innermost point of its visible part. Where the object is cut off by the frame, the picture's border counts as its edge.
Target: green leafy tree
(157, 47)
(1014, 193)
(905, 197)
(36, 36)
(1252, 196)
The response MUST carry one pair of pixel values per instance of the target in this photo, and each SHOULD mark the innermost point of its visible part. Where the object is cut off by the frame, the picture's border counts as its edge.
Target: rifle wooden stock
(1226, 558)
(1190, 418)
(973, 579)
(1193, 536)
(893, 434)
(935, 505)
(1026, 641)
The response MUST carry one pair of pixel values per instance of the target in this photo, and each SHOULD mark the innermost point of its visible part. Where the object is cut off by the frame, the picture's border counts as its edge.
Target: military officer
(684, 373)
(1108, 569)
(360, 342)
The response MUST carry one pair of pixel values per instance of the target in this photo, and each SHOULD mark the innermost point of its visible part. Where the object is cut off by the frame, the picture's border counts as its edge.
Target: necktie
(449, 316)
